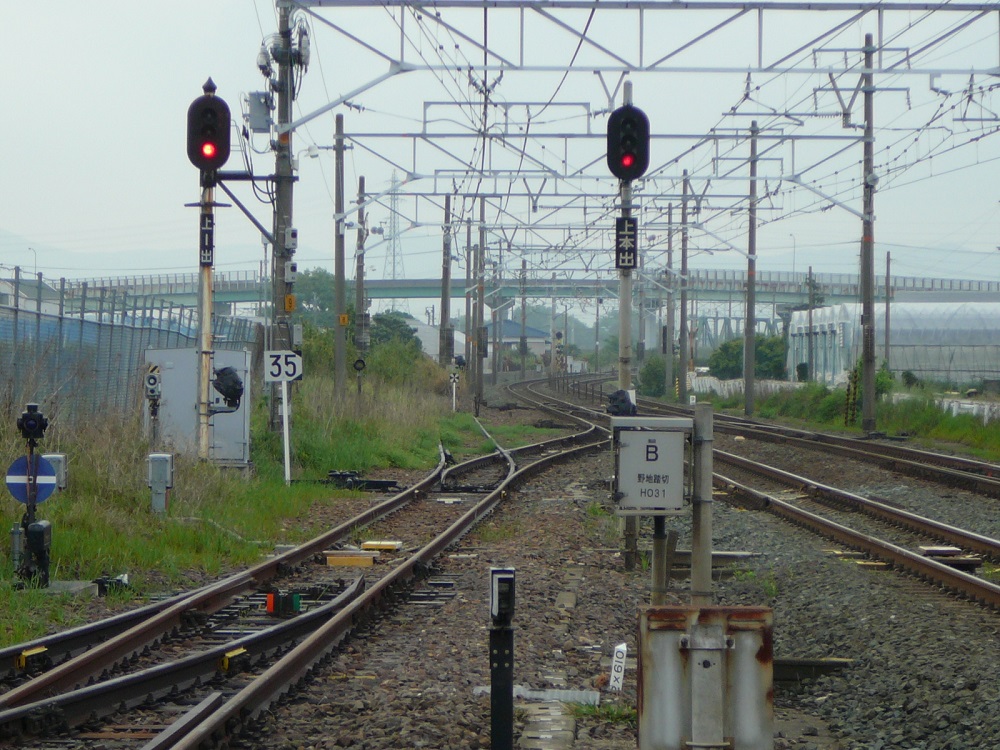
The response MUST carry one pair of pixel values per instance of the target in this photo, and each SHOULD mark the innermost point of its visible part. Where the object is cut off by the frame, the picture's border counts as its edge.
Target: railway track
(978, 476)
(950, 471)
(78, 678)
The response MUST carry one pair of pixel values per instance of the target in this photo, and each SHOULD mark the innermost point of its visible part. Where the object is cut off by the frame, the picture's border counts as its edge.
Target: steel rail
(128, 691)
(968, 585)
(240, 711)
(81, 668)
(955, 471)
(984, 545)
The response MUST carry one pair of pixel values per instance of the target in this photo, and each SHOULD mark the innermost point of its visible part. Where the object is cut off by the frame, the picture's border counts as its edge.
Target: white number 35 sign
(282, 366)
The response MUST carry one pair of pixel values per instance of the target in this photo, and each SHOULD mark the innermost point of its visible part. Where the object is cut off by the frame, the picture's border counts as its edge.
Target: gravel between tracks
(925, 666)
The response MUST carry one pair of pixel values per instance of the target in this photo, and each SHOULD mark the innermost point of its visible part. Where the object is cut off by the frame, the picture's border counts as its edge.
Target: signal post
(208, 147)
(628, 159)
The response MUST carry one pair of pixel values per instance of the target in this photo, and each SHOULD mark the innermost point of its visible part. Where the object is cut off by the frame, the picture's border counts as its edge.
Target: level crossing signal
(628, 143)
(208, 131)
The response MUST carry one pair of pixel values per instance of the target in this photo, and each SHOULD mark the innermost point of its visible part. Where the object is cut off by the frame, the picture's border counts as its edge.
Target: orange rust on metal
(765, 654)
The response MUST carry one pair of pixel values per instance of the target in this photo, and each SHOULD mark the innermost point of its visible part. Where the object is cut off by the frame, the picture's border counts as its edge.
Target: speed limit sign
(281, 366)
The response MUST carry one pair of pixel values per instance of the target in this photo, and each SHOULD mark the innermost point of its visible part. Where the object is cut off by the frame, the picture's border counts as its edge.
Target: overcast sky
(95, 177)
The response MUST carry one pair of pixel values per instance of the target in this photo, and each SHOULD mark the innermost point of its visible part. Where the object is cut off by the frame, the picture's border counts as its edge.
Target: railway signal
(628, 143)
(208, 130)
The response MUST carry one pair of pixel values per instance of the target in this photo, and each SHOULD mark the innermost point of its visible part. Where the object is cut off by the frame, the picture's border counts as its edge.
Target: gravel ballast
(924, 673)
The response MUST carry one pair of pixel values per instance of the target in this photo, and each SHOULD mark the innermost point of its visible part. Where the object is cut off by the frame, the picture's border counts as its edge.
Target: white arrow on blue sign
(17, 479)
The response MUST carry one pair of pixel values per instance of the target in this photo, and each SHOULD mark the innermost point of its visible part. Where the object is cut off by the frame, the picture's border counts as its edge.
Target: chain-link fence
(78, 350)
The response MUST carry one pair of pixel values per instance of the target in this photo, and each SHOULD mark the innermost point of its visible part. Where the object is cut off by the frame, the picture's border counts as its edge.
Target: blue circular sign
(17, 479)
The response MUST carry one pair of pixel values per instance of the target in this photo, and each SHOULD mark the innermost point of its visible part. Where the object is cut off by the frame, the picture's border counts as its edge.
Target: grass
(218, 520)
(768, 583)
(600, 523)
(618, 714)
(916, 417)
(497, 531)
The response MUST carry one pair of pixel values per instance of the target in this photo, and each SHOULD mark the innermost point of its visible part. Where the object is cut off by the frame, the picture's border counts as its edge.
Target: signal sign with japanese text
(626, 242)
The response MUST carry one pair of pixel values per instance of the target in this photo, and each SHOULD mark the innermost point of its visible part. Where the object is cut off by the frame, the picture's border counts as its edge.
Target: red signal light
(208, 125)
(628, 160)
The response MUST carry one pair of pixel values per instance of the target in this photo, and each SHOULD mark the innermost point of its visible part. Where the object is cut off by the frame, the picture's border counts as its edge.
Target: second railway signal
(628, 143)
(208, 130)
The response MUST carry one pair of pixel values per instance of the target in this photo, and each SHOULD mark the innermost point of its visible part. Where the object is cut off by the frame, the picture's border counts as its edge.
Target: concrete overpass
(776, 288)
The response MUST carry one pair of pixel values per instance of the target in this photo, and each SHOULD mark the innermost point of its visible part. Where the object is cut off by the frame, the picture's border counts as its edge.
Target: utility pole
(750, 324)
(446, 338)
(480, 355)
(360, 316)
(498, 315)
(868, 248)
(284, 248)
(339, 272)
(597, 333)
(469, 322)
(810, 363)
(887, 295)
(552, 329)
(683, 335)
(524, 319)
(669, 337)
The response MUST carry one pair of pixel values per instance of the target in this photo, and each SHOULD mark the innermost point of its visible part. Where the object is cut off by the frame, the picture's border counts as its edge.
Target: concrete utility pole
(446, 335)
(284, 246)
(888, 286)
(469, 322)
(480, 355)
(339, 271)
(552, 329)
(868, 248)
(669, 339)
(523, 345)
(810, 361)
(750, 324)
(597, 333)
(498, 314)
(683, 335)
(360, 322)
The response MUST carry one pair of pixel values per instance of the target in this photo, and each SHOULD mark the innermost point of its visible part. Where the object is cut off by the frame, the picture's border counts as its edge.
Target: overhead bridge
(778, 288)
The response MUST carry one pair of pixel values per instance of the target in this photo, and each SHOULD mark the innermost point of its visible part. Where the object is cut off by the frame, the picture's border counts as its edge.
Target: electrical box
(229, 438)
(297, 337)
(160, 470)
(291, 238)
(259, 105)
(59, 462)
(159, 478)
(291, 272)
(502, 595)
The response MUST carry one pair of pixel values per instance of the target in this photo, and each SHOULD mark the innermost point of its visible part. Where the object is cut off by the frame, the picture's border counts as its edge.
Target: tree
(726, 362)
(652, 376)
(314, 298)
(393, 326)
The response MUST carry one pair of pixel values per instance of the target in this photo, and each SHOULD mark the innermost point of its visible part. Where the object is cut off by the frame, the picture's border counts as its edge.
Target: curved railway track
(80, 676)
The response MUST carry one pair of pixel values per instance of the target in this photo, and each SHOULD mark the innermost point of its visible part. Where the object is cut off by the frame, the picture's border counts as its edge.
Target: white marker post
(283, 366)
(618, 667)
(454, 388)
